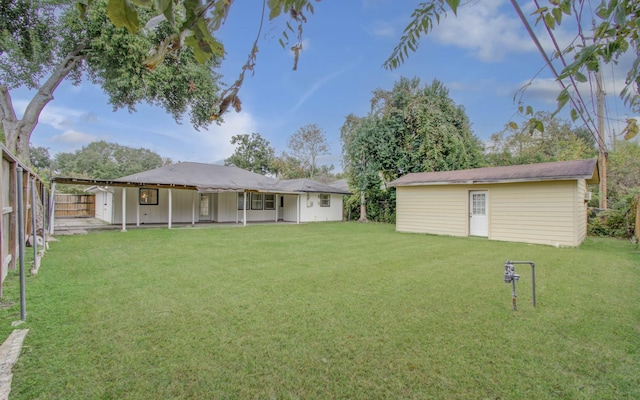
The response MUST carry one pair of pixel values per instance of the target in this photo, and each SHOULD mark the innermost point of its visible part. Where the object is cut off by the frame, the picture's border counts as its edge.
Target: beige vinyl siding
(551, 213)
(581, 210)
(441, 210)
(534, 212)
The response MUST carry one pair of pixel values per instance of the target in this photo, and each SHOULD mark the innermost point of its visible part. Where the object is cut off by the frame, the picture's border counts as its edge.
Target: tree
(102, 160)
(194, 23)
(44, 43)
(253, 153)
(411, 128)
(307, 144)
(557, 142)
(624, 170)
(613, 31)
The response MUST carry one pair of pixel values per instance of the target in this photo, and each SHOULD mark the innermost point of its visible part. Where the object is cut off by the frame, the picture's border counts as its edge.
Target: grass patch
(325, 311)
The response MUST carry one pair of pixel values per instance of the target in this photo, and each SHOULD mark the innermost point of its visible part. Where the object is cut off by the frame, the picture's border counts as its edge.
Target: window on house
(269, 201)
(325, 200)
(241, 201)
(148, 197)
(256, 201)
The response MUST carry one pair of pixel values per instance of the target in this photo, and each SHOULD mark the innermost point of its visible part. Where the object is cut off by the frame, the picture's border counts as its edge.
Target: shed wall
(441, 210)
(552, 213)
(535, 212)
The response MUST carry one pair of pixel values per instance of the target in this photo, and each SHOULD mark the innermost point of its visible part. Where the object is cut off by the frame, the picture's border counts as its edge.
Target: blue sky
(483, 56)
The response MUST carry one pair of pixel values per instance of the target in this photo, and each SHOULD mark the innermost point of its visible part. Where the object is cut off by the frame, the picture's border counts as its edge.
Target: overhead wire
(576, 98)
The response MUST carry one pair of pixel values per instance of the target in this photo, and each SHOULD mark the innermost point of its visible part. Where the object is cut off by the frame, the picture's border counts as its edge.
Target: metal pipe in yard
(23, 300)
(533, 278)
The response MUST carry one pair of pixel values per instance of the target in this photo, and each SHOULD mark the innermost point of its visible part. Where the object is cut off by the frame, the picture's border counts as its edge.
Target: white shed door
(478, 216)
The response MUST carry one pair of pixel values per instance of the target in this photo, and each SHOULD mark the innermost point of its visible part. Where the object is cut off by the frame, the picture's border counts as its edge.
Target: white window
(269, 201)
(325, 200)
(256, 201)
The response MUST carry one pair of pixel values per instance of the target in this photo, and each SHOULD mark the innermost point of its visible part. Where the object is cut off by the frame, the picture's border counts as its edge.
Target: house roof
(208, 178)
(205, 177)
(560, 170)
(307, 186)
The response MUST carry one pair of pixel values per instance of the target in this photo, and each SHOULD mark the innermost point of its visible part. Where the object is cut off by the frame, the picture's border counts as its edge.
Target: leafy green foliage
(102, 160)
(411, 128)
(618, 220)
(253, 153)
(623, 187)
(623, 170)
(57, 41)
(558, 142)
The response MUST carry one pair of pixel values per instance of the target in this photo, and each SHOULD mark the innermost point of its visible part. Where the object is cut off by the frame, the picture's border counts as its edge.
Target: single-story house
(191, 192)
(537, 203)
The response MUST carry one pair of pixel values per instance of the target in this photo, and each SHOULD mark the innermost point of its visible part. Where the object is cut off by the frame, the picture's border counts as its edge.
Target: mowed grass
(325, 311)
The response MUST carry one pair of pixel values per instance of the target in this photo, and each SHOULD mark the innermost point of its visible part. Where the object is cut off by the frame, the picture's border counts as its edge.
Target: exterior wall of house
(289, 212)
(181, 207)
(224, 208)
(227, 208)
(551, 213)
(312, 211)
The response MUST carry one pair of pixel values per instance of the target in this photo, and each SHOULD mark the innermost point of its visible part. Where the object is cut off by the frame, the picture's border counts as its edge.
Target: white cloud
(212, 144)
(60, 118)
(73, 138)
(486, 29)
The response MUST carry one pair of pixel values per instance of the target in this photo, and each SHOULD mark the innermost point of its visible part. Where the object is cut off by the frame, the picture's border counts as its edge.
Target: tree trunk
(18, 132)
(363, 208)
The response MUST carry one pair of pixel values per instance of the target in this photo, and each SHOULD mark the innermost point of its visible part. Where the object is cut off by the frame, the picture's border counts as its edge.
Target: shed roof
(550, 171)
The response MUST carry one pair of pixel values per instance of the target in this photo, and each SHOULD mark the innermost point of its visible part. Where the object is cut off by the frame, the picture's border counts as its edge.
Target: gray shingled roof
(307, 186)
(560, 170)
(206, 177)
(219, 178)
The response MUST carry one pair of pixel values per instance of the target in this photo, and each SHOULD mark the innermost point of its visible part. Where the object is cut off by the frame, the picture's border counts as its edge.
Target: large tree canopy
(411, 128)
(102, 160)
(253, 153)
(42, 43)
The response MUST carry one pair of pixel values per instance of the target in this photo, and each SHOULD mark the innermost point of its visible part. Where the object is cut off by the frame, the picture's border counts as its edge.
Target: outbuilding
(542, 203)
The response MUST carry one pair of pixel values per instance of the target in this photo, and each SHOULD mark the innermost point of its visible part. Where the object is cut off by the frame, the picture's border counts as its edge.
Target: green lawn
(325, 311)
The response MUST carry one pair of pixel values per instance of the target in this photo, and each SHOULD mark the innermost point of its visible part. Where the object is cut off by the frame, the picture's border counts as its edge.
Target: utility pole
(602, 158)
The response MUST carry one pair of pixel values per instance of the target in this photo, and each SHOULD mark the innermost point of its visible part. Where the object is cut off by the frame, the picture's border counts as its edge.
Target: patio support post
(138, 210)
(124, 210)
(170, 207)
(52, 209)
(193, 208)
(298, 210)
(244, 211)
(276, 201)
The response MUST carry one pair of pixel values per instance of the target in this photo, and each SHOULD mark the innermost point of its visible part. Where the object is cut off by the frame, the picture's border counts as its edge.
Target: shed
(542, 203)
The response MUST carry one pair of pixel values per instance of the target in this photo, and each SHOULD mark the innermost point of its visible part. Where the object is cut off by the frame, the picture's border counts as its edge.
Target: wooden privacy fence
(19, 182)
(75, 205)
